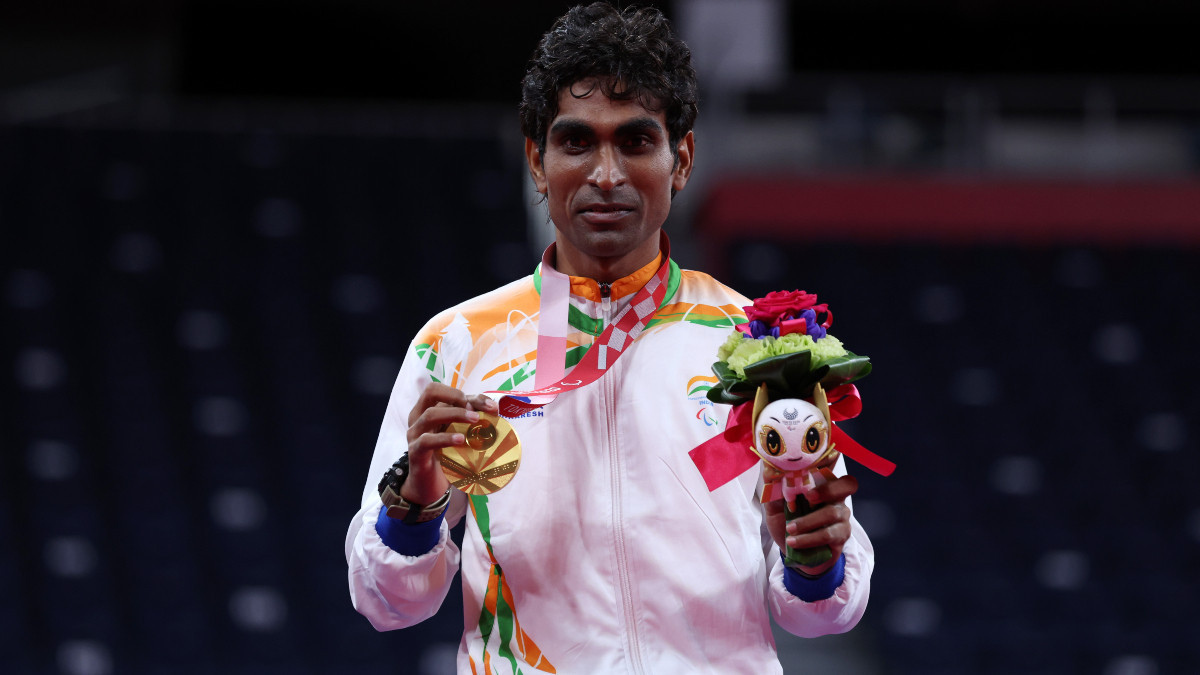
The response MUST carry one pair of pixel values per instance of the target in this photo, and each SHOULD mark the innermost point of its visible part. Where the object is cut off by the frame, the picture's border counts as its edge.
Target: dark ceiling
(467, 51)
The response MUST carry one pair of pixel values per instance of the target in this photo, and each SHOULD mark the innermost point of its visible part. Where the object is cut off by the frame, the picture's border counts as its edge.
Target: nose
(607, 171)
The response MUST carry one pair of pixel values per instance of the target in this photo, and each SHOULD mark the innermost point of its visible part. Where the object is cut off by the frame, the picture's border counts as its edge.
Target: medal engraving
(487, 460)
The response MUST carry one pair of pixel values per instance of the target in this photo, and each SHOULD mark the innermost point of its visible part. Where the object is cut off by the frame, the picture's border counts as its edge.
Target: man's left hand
(826, 526)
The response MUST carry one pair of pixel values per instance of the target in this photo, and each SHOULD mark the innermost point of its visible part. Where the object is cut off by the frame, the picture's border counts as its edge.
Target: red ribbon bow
(727, 455)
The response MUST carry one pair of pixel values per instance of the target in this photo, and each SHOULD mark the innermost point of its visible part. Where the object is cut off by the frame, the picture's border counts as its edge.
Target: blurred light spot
(258, 608)
(357, 294)
(52, 460)
(238, 509)
(438, 658)
(898, 138)
(202, 330)
(940, 304)
(1164, 432)
(1017, 476)
(263, 150)
(975, 387)
(510, 260)
(123, 181)
(84, 657)
(28, 289)
(70, 556)
(877, 517)
(1118, 344)
(375, 374)
(277, 217)
(135, 253)
(1132, 664)
(40, 369)
(220, 416)
(1079, 269)
(912, 617)
(760, 263)
(1062, 570)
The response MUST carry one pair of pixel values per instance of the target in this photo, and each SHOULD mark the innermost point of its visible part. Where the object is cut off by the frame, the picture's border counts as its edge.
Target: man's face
(607, 172)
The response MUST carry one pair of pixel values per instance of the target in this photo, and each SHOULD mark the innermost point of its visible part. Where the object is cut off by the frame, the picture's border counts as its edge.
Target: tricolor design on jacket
(606, 552)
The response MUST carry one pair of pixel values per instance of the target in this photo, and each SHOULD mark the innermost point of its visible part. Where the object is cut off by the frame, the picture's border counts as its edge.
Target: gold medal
(488, 459)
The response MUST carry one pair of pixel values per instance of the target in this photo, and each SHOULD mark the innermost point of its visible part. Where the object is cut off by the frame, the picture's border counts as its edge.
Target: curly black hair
(632, 53)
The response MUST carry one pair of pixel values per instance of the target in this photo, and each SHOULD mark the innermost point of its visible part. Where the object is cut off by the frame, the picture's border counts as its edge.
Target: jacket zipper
(631, 637)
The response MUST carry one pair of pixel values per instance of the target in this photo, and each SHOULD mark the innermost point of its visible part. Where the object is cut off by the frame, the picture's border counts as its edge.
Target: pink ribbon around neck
(549, 380)
(721, 458)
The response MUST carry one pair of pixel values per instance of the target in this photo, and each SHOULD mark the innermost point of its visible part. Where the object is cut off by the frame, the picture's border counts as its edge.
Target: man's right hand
(438, 407)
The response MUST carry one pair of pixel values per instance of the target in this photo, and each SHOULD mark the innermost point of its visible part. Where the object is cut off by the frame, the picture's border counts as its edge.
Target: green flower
(740, 351)
(827, 348)
(735, 339)
(748, 351)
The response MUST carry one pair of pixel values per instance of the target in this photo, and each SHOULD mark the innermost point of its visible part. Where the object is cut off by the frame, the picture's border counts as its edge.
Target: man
(606, 553)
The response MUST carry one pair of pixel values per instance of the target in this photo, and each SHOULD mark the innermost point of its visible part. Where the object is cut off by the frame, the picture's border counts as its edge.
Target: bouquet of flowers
(785, 344)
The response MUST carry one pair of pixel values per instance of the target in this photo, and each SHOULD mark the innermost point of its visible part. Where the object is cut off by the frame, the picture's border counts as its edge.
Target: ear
(536, 168)
(683, 163)
(760, 401)
(821, 402)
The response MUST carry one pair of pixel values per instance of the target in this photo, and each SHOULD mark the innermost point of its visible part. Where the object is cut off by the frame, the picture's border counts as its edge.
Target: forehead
(585, 101)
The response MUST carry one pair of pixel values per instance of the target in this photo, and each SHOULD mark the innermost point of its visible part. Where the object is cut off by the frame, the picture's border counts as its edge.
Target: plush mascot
(790, 383)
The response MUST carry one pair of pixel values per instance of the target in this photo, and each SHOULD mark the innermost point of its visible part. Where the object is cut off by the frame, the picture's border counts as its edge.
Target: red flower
(780, 305)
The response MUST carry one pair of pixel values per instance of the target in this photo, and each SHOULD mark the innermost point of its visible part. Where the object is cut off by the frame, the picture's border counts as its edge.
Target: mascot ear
(760, 401)
(821, 402)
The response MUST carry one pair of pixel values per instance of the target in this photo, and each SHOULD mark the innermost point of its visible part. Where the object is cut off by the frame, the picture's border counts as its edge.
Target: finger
(482, 402)
(433, 394)
(436, 419)
(822, 517)
(434, 441)
(835, 535)
(837, 490)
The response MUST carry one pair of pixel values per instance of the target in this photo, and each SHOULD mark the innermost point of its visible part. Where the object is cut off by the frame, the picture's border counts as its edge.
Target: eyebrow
(634, 126)
(639, 125)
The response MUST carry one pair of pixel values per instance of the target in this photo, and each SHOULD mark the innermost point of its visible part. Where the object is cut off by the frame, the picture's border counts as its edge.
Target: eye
(575, 143)
(771, 441)
(812, 439)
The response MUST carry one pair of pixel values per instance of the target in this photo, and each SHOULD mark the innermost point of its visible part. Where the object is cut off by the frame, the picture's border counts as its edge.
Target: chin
(607, 244)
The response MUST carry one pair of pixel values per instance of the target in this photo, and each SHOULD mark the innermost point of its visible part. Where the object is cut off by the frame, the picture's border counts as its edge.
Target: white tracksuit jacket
(606, 553)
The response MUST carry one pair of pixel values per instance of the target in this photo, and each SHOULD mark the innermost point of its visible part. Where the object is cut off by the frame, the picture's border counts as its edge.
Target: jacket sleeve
(390, 589)
(837, 613)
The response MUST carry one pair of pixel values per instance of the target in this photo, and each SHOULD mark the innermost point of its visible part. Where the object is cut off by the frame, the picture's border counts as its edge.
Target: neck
(574, 263)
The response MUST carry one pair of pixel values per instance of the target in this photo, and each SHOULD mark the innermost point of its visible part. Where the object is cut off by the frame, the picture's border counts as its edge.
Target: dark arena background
(224, 221)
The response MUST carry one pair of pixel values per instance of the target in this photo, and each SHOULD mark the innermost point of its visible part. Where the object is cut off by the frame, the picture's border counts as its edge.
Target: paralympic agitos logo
(697, 392)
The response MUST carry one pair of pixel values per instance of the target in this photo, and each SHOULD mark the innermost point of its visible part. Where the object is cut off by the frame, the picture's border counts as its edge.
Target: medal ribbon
(604, 352)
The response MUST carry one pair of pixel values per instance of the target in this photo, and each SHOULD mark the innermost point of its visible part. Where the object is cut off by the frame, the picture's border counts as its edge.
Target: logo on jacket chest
(697, 393)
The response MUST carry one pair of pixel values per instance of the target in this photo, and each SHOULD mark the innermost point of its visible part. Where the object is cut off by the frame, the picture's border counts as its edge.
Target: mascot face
(791, 434)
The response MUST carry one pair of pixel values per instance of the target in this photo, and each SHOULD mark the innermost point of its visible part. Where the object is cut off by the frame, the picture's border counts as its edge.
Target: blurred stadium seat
(201, 328)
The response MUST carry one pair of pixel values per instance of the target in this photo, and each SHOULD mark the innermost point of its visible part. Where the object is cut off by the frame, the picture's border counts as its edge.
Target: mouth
(605, 211)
